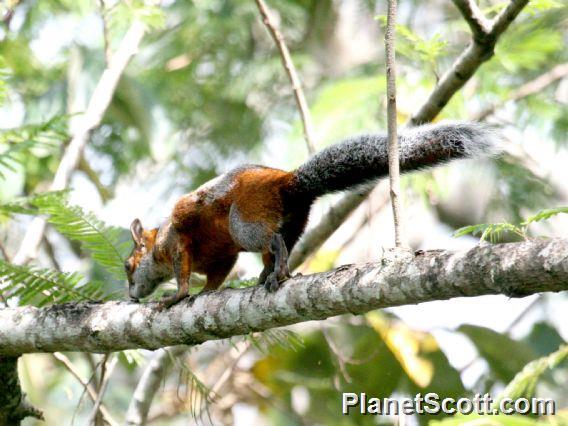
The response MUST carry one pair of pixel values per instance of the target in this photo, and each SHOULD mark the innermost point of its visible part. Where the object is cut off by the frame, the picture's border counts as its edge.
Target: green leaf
(413, 46)
(102, 241)
(524, 383)
(25, 205)
(31, 138)
(489, 231)
(543, 5)
(496, 349)
(42, 286)
(545, 215)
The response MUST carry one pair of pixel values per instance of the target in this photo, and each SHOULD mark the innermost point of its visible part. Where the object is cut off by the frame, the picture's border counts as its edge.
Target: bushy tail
(364, 158)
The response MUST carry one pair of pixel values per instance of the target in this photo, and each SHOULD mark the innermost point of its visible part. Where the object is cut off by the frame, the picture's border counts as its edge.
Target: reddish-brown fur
(201, 241)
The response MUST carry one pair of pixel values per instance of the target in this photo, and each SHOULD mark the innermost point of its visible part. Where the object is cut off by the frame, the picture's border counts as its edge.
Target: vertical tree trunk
(13, 406)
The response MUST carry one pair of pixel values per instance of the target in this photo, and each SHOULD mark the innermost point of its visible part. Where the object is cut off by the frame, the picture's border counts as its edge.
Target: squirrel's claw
(169, 301)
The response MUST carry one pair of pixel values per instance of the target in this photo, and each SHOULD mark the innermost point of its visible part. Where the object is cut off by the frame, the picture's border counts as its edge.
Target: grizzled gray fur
(364, 158)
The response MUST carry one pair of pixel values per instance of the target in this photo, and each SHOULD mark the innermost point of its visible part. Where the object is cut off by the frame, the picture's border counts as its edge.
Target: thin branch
(480, 26)
(393, 149)
(4, 253)
(105, 378)
(335, 216)
(270, 24)
(96, 108)
(530, 88)
(106, 35)
(480, 50)
(147, 386)
(229, 370)
(66, 362)
(105, 193)
(399, 278)
(51, 253)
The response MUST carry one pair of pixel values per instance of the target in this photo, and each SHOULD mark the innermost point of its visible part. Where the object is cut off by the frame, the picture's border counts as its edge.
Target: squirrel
(261, 209)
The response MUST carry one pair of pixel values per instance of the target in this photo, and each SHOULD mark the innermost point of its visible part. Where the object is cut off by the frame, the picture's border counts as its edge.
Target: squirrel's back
(364, 158)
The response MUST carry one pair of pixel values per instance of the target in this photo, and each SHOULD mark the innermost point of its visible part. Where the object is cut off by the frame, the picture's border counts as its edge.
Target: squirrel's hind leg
(268, 262)
(280, 271)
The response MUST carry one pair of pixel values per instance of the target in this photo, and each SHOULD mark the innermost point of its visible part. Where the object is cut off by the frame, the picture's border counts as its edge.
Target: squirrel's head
(140, 268)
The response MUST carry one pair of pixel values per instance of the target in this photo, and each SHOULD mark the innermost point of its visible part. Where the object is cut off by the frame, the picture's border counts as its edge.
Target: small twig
(4, 252)
(480, 26)
(106, 36)
(342, 360)
(66, 362)
(336, 215)
(229, 371)
(104, 192)
(394, 162)
(105, 377)
(530, 88)
(50, 253)
(292, 74)
(137, 412)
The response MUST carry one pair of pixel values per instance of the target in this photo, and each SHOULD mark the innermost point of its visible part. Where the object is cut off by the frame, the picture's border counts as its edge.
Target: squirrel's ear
(136, 230)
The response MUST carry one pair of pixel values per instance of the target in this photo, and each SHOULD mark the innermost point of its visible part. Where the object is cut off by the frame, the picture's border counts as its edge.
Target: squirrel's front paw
(169, 301)
(271, 284)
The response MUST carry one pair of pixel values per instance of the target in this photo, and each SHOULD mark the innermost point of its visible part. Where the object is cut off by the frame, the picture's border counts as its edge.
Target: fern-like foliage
(545, 215)
(524, 383)
(37, 286)
(195, 393)
(492, 231)
(281, 337)
(18, 141)
(102, 241)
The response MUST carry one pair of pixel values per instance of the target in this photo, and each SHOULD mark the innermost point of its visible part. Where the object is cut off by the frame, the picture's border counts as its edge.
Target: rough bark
(399, 278)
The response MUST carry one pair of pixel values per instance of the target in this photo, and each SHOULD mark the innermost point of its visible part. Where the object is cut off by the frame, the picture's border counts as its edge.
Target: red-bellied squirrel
(261, 209)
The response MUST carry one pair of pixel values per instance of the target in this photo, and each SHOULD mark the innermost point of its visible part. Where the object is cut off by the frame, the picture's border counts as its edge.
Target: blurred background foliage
(206, 92)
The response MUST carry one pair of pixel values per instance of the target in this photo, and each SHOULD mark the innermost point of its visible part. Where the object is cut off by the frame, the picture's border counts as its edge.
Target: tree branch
(479, 51)
(334, 217)
(399, 278)
(96, 108)
(292, 74)
(66, 362)
(13, 404)
(480, 26)
(530, 88)
(461, 71)
(105, 378)
(148, 384)
(393, 150)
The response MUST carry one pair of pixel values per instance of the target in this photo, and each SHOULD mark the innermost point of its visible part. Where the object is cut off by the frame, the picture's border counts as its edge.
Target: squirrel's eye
(142, 245)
